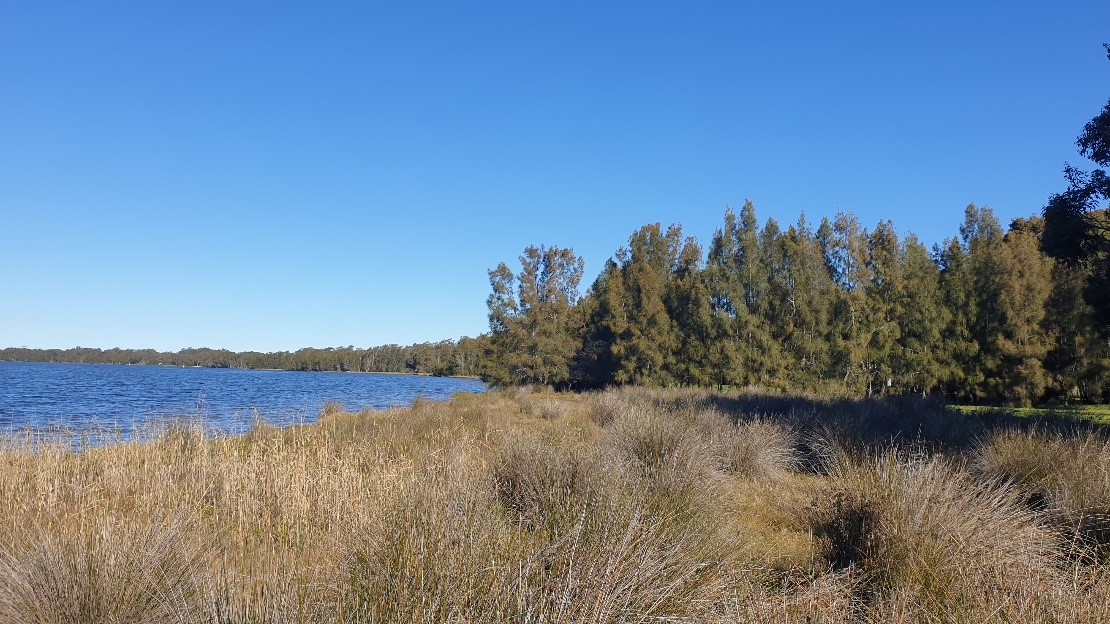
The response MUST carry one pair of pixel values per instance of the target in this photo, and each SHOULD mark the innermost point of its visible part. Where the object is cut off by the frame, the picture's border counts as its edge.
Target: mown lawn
(1099, 414)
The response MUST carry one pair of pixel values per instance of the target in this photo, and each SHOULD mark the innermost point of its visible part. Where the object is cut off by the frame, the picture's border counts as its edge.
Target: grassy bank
(1099, 414)
(524, 506)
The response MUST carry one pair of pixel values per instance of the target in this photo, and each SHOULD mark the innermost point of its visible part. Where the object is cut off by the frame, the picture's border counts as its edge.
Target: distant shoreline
(446, 358)
(272, 370)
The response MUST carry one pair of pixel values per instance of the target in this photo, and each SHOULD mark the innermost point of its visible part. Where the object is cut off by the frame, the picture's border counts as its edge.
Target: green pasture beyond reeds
(1099, 414)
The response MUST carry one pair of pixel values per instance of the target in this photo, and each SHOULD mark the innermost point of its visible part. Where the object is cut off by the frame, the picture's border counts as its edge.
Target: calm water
(89, 398)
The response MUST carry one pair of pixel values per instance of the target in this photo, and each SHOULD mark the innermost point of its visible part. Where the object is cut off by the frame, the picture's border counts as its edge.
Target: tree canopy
(1077, 220)
(986, 317)
(533, 336)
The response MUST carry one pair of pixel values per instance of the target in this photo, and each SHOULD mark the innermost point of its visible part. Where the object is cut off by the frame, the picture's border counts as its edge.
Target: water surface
(129, 399)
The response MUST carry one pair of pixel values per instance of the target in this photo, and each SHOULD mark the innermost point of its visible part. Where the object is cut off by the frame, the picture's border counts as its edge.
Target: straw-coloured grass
(533, 506)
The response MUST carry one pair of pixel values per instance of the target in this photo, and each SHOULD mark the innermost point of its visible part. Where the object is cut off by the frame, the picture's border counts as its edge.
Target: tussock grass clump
(1065, 473)
(543, 529)
(828, 598)
(541, 402)
(608, 406)
(757, 448)
(663, 449)
(541, 481)
(622, 561)
(434, 553)
(919, 532)
(105, 571)
(612, 404)
(331, 409)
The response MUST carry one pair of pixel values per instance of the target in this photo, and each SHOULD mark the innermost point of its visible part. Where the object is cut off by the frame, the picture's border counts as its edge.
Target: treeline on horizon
(985, 317)
(444, 358)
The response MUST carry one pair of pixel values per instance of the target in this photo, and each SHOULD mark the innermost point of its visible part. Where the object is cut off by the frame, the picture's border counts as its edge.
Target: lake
(116, 400)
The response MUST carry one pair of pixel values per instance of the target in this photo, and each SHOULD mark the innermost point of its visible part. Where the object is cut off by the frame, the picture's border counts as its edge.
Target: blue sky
(270, 176)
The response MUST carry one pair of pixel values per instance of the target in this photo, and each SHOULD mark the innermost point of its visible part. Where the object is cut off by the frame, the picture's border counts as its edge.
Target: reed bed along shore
(630, 505)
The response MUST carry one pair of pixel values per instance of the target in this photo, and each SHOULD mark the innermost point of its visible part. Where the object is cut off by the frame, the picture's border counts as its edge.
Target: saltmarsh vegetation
(630, 505)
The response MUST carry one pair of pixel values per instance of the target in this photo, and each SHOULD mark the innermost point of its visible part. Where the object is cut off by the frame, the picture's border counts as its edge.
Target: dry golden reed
(630, 505)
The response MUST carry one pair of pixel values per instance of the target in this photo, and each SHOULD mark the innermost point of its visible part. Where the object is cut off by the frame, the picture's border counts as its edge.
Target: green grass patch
(1099, 414)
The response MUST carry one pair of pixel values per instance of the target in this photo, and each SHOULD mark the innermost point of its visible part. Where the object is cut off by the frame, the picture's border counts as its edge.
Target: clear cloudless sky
(270, 176)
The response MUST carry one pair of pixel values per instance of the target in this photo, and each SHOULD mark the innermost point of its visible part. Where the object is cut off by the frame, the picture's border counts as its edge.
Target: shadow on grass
(862, 426)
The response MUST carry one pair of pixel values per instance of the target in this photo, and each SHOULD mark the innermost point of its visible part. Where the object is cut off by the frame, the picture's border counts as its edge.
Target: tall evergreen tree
(776, 313)
(810, 296)
(595, 365)
(738, 280)
(847, 255)
(629, 335)
(1025, 276)
(981, 241)
(688, 306)
(1010, 281)
(531, 318)
(760, 352)
(726, 304)
(922, 318)
(882, 290)
(1079, 360)
(959, 347)
(645, 349)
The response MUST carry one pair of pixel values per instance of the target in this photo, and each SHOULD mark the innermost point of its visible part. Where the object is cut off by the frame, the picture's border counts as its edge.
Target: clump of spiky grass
(446, 550)
(610, 405)
(663, 449)
(433, 553)
(757, 447)
(827, 598)
(538, 401)
(330, 409)
(624, 560)
(928, 538)
(107, 571)
(541, 481)
(1065, 473)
